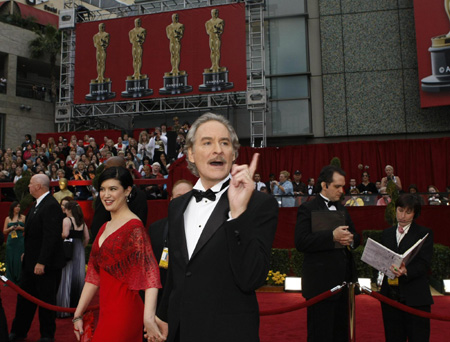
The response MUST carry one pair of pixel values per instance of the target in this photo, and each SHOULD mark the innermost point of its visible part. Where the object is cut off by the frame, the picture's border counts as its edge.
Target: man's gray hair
(190, 139)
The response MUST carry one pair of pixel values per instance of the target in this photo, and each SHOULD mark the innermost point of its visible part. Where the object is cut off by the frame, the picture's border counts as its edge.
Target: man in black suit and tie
(43, 260)
(410, 286)
(159, 232)
(220, 238)
(326, 266)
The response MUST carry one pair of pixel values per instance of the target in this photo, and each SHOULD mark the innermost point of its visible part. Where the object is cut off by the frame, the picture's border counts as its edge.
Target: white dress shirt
(401, 236)
(197, 214)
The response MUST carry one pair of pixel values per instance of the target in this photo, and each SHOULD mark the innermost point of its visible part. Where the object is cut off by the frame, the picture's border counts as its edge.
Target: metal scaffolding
(72, 117)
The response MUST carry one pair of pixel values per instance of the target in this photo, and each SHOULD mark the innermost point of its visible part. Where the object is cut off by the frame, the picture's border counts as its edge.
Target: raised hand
(241, 186)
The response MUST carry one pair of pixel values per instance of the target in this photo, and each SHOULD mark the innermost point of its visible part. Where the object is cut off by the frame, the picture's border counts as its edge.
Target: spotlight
(446, 285)
(22, 107)
(365, 282)
(293, 284)
(28, 108)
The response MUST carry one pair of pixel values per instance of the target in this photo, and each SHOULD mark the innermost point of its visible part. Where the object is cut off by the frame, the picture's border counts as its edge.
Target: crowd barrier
(277, 311)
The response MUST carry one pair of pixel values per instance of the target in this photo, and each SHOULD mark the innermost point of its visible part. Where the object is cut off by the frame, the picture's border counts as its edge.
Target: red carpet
(288, 327)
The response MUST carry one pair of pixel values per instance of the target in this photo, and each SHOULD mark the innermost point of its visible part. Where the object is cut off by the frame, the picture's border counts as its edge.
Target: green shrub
(279, 260)
(373, 234)
(296, 262)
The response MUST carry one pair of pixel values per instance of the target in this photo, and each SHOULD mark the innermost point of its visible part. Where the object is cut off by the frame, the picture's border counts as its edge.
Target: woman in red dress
(121, 264)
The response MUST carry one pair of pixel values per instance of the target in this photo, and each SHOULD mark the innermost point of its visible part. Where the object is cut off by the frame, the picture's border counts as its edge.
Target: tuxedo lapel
(217, 218)
(178, 234)
(409, 239)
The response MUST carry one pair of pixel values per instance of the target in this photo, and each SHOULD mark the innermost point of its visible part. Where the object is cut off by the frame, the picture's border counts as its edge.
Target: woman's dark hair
(413, 186)
(365, 172)
(11, 209)
(326, 175)
(411, 202)
(77, 213)
(119, 173)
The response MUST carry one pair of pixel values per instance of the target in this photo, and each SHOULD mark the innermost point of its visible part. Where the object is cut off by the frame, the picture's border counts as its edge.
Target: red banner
(432, 21)
(111, 47)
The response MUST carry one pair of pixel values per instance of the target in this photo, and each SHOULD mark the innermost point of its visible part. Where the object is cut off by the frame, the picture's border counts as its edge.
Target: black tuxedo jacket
(211, 296)
(414, 288)
(43, 241)
(157, 239)
(324, 266)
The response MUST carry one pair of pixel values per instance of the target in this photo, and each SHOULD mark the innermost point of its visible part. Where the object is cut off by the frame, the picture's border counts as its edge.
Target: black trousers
(400, 326)
(328, 319)
(45, 288)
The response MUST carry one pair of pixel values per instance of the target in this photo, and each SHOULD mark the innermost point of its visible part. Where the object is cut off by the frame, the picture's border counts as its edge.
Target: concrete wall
(14, 42)
(369, 70)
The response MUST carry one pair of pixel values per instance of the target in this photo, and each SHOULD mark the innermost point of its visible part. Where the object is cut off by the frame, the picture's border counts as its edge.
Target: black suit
(324, 267)
(43, 245)
(211, 296)
(412, 290)
(158, 232)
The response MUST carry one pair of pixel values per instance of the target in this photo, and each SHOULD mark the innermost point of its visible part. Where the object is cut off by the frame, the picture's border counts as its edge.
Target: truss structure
(73, 117)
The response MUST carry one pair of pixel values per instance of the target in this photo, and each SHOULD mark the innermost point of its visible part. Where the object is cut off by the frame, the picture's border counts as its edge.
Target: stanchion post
(351, 312)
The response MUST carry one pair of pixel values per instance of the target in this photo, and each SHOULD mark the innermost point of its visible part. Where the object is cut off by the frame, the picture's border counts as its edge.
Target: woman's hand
(78, 329)
(152, 329)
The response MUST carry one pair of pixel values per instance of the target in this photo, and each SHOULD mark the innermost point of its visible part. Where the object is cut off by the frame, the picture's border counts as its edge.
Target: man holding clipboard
(325, 234)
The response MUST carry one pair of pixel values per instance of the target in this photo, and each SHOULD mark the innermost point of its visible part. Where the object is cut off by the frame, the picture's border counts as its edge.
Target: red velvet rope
(302, 305)
(40, 302)
(406, 308)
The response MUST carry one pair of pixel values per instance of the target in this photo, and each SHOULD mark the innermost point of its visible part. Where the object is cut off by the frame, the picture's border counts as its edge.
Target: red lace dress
(122, 266)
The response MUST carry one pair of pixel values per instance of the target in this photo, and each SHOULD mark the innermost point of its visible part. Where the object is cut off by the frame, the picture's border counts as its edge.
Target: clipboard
(327, 220)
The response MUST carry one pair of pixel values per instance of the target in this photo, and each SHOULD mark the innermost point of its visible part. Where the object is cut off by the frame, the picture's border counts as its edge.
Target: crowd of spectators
(293, 192)
(78, 159)
(148, 157)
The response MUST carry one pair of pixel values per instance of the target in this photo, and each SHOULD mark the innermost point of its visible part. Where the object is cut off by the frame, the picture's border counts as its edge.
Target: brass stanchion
(351, 312)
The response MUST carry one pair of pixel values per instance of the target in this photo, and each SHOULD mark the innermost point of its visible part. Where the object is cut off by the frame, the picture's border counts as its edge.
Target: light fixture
(22, 107)
(446, 285)
(28, 108)
(365, 282)
(293, 284)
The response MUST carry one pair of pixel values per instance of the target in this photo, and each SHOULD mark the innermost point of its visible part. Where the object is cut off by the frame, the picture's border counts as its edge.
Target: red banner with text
(181, 53)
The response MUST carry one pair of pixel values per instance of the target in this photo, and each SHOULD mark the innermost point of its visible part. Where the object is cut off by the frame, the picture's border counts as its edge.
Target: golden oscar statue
(100, 88)
(137, 84)
(440, 55)
(215, 78)
(175, 81)
(64, 192)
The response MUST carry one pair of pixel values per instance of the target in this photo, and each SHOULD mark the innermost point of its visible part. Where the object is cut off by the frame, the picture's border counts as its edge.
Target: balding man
(43, 261)
(137, 202)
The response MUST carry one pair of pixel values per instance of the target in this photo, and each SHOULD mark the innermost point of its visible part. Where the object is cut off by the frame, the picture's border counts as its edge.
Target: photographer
(157, 145)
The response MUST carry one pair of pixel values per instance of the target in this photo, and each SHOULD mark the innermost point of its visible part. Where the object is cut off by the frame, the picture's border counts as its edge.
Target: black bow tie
(208, 194)
(330, 203)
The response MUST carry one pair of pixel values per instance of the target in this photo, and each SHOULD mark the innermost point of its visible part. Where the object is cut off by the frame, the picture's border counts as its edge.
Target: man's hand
(241, 186)
(343, 236)
(163, 329)
(401, 271)
(39, 269)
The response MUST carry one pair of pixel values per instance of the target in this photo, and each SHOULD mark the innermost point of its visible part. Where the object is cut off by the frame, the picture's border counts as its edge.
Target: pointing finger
(253, 165)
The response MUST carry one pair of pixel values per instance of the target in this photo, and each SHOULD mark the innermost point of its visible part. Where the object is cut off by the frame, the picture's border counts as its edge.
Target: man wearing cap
(299, 187)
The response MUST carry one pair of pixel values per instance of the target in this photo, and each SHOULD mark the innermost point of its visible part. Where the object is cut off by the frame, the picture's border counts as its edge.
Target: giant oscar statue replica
(216, 77)
(137, 84)
(175, 81)
(440, 61)
(100, 88)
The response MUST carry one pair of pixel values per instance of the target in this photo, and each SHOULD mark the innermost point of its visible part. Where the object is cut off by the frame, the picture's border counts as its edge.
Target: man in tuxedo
(310, 187)
(159, 232)
(43, 261)
(220, 239)
(410, 286)
(326, 266)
